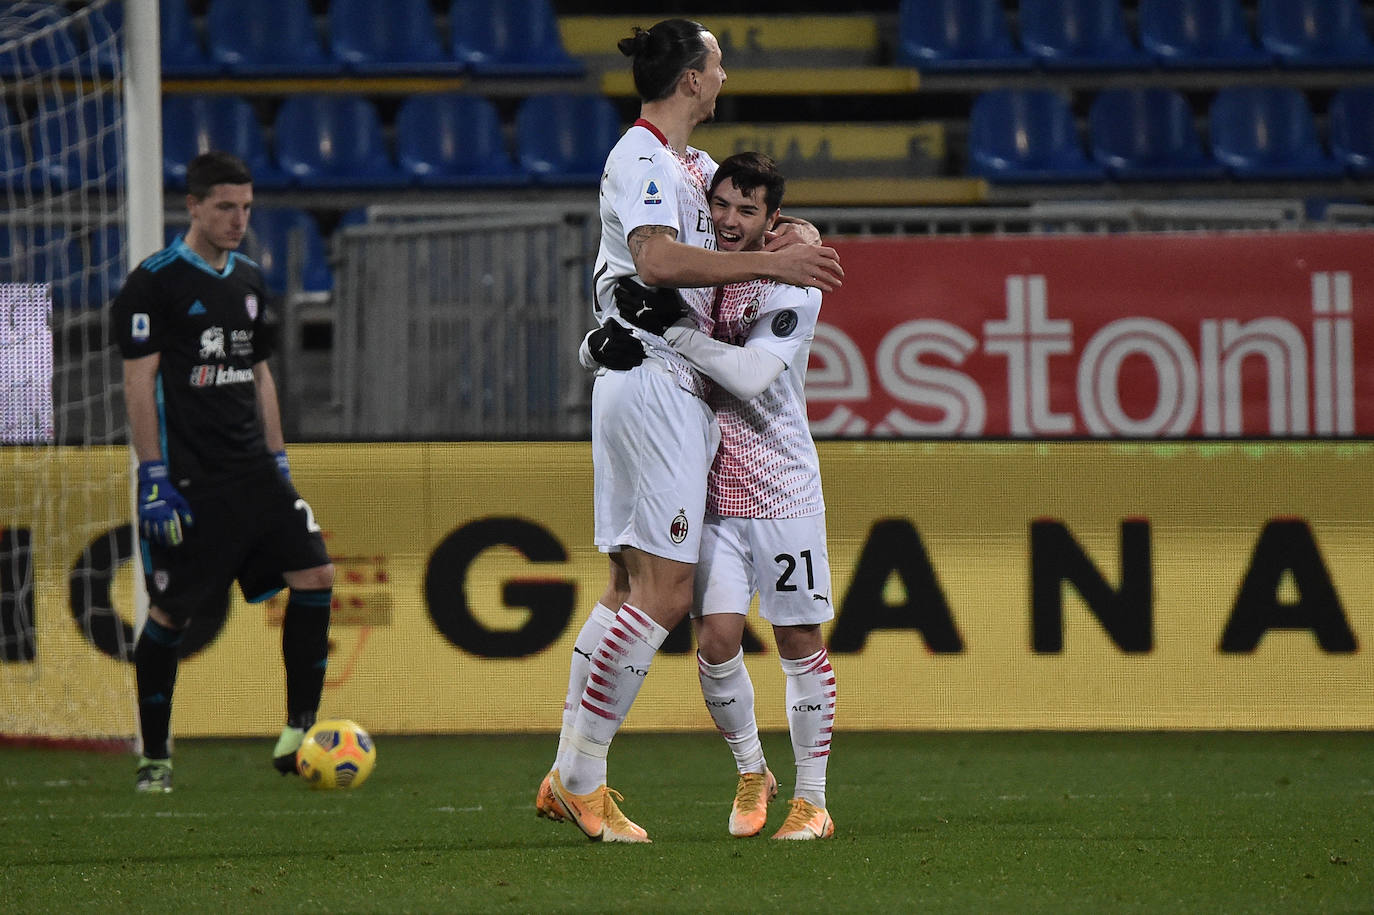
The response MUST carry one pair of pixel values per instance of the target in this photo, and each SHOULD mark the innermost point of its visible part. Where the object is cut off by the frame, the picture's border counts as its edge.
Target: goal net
(66, 586)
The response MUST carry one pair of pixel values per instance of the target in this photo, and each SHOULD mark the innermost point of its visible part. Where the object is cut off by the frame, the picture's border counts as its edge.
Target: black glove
(651, 309)
(615, 347)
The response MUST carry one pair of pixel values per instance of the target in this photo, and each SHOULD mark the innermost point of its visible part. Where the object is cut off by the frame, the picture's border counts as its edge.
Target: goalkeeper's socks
(810, 719)
(305, 652)
(155, 670)
(619, 665)
(587, 640)
(729, 695)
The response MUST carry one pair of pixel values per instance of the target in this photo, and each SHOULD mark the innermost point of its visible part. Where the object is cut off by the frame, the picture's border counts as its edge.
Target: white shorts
(783, 560)
(652, 445)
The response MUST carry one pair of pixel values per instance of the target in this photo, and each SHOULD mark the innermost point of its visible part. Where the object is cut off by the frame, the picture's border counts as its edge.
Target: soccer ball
(336, 754)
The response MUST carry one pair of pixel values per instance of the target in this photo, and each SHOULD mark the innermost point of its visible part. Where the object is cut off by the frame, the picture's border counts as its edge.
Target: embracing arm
(661, 260)
(744, 371)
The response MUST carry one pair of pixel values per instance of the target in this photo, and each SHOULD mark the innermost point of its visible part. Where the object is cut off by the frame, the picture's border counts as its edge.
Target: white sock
(619, 665)
(810, 719)
(587, 639)
(729, 695)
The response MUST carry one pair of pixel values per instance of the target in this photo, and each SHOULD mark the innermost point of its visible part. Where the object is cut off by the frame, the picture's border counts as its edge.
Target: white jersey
(646, 183)
(767, 465)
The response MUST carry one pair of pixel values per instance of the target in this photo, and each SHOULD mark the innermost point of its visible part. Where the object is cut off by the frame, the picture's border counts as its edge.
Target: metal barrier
(455, 322)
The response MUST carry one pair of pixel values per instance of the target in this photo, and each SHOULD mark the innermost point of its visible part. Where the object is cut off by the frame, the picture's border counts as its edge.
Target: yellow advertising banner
(976, 585)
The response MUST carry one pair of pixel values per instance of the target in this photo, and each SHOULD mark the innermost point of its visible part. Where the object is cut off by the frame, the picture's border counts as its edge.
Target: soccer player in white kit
(653, 436)
(765, 517)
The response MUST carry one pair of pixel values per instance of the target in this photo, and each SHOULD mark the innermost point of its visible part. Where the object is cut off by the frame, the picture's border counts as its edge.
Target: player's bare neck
(213, 255)
(672, 119)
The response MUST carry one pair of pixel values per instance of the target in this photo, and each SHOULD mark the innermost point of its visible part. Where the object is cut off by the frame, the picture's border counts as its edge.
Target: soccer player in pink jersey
(653, 436)
(765, 517)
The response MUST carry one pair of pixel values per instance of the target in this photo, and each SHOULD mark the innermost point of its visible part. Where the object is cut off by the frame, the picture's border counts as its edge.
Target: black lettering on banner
(1126, 613)
(894, 547)
(549, 602)
(17, 641)
(1287, 546)
(91, 603)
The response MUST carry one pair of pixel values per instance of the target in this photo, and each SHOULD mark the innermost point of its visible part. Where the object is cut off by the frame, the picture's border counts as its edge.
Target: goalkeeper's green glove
(162, 511)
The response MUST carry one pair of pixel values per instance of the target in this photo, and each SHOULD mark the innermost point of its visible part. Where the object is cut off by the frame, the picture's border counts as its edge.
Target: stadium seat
(270, 246)
(182, 53)
(1316, 33)
(509, 38)
(1351, 124)
(98, 37)
(13, 157)
(333, 141)
(1027, 135)
(451, 140)
(98, 269)
(1078, 35)
(77, 143)
(399, 36)
(1267, 133)
(1148, 134)
(192, 125)
(563, 139)
(1199, 34)
(52, 49)
(266, 38)
(944, 35)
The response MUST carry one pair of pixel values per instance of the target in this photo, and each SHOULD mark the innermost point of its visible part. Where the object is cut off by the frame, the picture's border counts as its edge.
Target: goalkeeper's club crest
(678, 529)
(250, 304)
(161, 578)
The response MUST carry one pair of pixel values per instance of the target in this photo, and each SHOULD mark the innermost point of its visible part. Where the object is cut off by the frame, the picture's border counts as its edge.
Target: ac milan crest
(678, 529)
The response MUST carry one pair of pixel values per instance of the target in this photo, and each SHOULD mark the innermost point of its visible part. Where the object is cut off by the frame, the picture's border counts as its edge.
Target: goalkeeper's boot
(806, 821)
(596, 813)
(284, 753)
(154, 776)
(750, 810)
(545, 804)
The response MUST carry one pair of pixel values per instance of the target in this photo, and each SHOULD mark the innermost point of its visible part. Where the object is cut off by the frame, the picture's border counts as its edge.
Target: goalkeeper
(215, 497)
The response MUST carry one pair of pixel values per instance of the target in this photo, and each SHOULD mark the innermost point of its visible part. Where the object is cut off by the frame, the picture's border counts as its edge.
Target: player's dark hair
(663, 53)
(749, 170)
(215, 167)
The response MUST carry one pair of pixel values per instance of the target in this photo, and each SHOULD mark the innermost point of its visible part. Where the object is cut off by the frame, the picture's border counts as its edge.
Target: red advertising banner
(1098, 337)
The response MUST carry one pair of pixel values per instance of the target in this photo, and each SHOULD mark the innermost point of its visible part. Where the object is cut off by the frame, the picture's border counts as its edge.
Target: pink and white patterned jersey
(646, 183)
(767, 465)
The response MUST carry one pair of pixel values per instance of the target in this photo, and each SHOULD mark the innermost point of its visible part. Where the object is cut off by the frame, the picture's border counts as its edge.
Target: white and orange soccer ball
(336, 753)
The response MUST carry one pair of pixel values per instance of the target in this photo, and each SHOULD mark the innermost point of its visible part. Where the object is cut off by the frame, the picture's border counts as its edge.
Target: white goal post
(80, 202)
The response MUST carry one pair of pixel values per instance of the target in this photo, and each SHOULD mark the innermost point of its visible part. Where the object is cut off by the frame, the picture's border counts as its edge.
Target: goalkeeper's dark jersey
(210, 327)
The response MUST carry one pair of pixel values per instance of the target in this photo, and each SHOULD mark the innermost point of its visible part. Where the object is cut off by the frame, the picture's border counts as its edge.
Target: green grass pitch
(1022, 822)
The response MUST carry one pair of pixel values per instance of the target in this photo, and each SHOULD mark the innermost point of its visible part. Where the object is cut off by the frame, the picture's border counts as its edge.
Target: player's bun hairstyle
(662, 54)
(749, 170)
(215, 167)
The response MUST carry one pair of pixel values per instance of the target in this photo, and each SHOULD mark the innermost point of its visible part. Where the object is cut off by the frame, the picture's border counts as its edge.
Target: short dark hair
(663, 53)
(749, 170)
(215, 167)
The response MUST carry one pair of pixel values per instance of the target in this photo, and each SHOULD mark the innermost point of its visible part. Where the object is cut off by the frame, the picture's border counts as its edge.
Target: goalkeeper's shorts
(652, 445)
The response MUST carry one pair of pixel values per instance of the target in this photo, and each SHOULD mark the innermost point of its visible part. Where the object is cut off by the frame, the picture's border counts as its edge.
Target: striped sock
(588, 638)
(729, 695)
(810, 719)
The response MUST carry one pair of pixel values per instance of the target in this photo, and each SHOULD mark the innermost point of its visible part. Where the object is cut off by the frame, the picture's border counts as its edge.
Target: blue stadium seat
(1351, 124)
(399, 36)
(76, 142)
(1267, 133)
(97, 269)
(13, 157)
(333, 141)
(51, 50)
(98, 36)
(1148, 134)
(944, 35)
(1315, 33)
(1079, 35)
(563, 139)
(266, 38)
(271, 245)
(192, 125)
(182, 53)
(509, 38)
(1027, 135)
(452, 140)
(1199, 34)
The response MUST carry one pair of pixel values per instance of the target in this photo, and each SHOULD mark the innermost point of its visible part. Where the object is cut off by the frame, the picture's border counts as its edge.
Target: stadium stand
(333, 141)
(1316, 33)
(1351, 119)
(563, 138)
(272, 230)
(1268, 132)
(399, 36)
(957, 35)
(1078, 34)
(1199, 34)
(453, 140)
(266, 38)
(1027, 135)
(1148, 134)
(92, 161)
(183, 54)
(509, 38)
(192, 125)
(55, 51)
